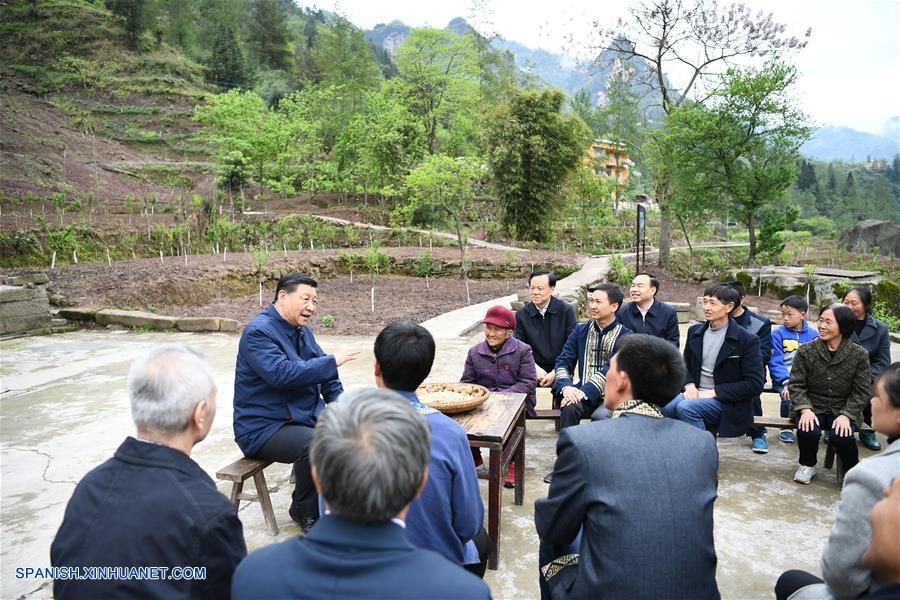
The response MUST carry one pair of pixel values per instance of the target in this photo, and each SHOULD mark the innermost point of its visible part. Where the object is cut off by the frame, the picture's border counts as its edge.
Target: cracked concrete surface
(64, 410)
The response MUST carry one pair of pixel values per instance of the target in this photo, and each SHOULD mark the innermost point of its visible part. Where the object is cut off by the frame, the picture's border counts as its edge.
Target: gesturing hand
(346, 355)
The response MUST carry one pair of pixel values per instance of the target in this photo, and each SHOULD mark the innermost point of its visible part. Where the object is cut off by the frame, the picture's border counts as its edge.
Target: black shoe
(548, 477)
(304, 521)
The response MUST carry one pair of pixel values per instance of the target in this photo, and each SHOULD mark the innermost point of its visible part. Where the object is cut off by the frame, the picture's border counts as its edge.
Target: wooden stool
(241, 470)
(830, 457)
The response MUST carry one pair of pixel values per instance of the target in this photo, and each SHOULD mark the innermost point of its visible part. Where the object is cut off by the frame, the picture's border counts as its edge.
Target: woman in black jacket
(829, 385)
(871, 334)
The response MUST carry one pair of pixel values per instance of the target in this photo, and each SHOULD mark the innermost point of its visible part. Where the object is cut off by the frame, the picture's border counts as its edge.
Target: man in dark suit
(282, 380)
(544, 324)
(369, 458)
(640, 527)
(646, 314)
(724, 369)
(151, 506)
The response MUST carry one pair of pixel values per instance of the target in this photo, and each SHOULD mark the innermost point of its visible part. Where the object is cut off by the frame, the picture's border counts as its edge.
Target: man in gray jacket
(593, 525)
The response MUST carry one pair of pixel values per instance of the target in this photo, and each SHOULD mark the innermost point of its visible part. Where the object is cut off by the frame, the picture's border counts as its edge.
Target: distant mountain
(551, 70)
(843, 143)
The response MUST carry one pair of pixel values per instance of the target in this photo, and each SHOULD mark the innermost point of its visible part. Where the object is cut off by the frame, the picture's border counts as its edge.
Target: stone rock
(78, 313)
(134, 318)
(698, 310)
(25, 308)
(197, 324)
(23, 324)
(10, 293)
(865, 234)
(229, 325)
(35, 278)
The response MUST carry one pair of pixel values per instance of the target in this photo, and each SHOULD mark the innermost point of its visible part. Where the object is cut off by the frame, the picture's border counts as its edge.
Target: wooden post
(161, 257)
(53, 260)
(75, 256)
(108, 259)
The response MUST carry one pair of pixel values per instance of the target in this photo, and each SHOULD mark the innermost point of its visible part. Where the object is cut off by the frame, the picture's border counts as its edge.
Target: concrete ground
(64, 409)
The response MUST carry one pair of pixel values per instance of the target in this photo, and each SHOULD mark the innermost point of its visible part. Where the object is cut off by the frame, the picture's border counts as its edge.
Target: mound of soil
(207, 286)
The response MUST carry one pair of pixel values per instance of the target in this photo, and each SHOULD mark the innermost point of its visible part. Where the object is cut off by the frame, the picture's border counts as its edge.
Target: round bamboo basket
(452, 398)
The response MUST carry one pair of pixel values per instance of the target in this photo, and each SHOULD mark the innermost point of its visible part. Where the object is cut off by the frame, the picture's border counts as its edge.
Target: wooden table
(499, 425)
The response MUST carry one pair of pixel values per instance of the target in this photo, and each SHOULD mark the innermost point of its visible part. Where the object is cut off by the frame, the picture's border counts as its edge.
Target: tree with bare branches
(694, 42)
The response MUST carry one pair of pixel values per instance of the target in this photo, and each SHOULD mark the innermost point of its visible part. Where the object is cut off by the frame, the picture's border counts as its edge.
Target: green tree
(586, 195)
(620, 117)
(742, 147)
(267, 34)
(343, 57)
(531, 148)
(438, 81)
(582, 105)
(380, 145)
(448, 185)
(135, 14)
(226, 65)
(241, 121)
(807, 178)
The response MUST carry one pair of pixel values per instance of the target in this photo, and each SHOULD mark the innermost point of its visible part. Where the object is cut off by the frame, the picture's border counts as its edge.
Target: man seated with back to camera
(624, 517)
(151, 505)
(646, 314)
(724, 369)
(369, 458)
(448, 517)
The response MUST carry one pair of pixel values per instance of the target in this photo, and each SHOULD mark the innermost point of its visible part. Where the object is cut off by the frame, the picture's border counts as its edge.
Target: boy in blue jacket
(794, 332)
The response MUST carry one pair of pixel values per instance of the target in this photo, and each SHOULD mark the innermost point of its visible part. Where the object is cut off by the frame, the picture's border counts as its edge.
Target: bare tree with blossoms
(694, 41)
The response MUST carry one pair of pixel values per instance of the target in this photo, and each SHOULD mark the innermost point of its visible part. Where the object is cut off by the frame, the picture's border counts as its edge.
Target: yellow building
(613, 160)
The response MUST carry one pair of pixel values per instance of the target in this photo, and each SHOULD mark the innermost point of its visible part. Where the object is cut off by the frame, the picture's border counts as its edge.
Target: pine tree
(831, 185)
(135, 14)
(226, 65)
(849, 185)
(807, 178)
(268, 34)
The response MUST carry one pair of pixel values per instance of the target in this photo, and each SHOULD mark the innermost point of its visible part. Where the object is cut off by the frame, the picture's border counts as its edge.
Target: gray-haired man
(151, 505)
(369, 455)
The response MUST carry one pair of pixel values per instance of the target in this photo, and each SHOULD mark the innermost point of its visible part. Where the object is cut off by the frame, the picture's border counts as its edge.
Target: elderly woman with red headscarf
(501, 363)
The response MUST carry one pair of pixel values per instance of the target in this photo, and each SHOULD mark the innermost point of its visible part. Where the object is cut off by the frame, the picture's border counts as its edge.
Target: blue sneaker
(787, 436)
(760, 445)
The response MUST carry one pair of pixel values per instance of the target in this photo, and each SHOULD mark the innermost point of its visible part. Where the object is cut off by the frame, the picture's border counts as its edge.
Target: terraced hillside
(82, 114)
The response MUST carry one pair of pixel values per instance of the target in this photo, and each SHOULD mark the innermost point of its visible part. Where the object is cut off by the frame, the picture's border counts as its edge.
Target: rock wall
(24, 306)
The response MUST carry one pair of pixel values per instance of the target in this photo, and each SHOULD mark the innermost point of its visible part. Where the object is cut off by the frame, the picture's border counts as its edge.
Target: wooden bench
(237, 473)
(553, 413)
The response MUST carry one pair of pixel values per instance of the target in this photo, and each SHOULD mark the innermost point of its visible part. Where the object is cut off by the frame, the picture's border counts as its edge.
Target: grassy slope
(68, 74)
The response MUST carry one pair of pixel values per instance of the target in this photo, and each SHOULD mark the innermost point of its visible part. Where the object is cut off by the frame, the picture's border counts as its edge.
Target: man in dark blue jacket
(151, 506)
(646, 314)
(370, 461)
(282, 380)
(724, 369)
(448, 517)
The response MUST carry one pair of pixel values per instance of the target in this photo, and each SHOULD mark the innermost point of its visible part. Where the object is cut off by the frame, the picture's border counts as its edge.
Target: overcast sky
(849, 72)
